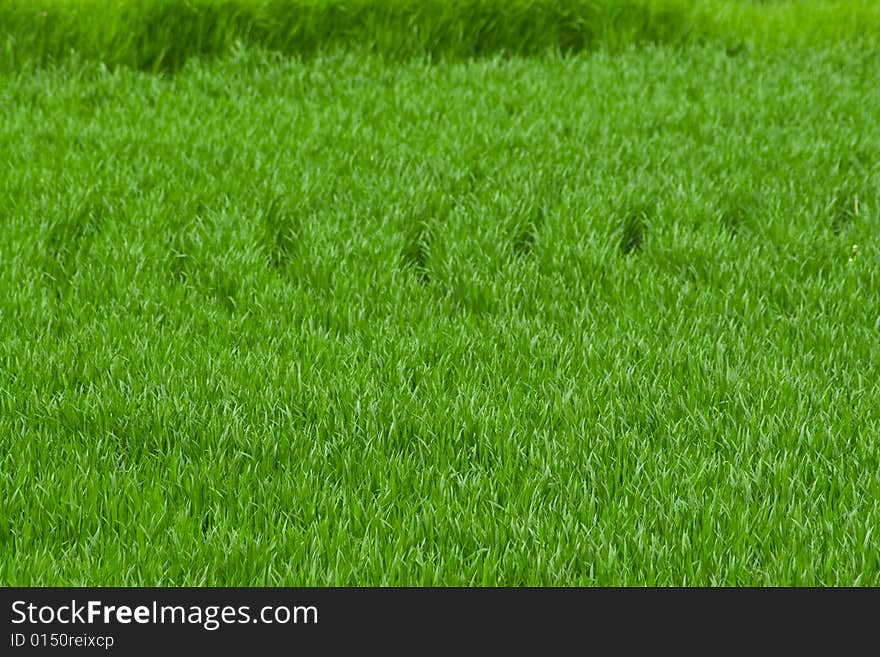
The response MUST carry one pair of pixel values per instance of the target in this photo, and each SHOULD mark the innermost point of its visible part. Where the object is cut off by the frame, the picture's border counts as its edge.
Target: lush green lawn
(606, 319)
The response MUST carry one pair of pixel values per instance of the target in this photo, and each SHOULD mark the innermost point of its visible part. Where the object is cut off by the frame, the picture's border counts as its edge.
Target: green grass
(587, 319)
(160, 35)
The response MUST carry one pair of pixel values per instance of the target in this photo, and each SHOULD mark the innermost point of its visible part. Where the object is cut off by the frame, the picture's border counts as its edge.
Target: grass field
(599, 317)
(161, 35)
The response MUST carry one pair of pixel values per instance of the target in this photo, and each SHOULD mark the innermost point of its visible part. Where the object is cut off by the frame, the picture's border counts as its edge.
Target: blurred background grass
(160, 35)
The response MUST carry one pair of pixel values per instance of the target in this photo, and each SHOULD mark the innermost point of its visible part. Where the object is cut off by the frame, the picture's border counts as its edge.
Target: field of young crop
(384, 312)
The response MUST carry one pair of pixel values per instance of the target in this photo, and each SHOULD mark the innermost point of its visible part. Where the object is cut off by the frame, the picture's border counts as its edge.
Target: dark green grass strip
(160, 35)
